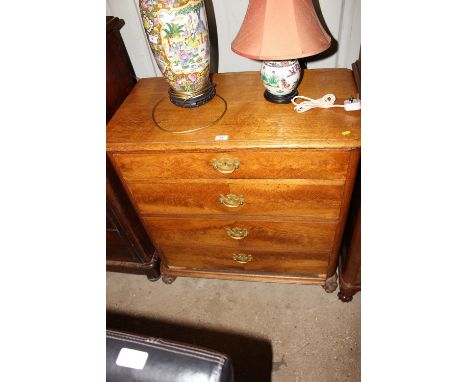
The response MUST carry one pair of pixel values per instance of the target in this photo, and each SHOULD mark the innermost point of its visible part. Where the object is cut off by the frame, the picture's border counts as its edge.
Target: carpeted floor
(272, 332)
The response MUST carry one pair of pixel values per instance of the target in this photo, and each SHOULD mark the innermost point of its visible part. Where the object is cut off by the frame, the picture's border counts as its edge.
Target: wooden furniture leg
(168, 279)
(331, 284)
(347, 291)
(350, 264)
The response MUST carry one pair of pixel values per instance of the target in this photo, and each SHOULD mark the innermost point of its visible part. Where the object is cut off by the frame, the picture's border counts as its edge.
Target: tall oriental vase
(177, 32)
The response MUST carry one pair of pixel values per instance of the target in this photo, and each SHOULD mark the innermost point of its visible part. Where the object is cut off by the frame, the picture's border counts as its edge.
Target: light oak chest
(266, 203)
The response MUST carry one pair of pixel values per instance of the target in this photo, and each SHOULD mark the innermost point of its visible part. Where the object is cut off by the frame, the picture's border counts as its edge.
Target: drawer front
(227, 259)
(310, 164)
(258, 198)
(243, 234)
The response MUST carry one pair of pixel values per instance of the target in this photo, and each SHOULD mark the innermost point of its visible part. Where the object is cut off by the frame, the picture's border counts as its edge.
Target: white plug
(351, 105)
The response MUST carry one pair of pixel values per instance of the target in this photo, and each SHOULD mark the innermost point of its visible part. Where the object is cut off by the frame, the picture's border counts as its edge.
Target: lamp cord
(326, 102)
(153, 115)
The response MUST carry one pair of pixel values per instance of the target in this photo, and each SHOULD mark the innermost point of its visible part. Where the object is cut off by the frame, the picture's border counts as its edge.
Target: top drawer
(298, 164)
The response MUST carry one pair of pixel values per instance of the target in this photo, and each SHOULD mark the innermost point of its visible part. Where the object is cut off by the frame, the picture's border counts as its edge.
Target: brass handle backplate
(242, 258)
(231, 200)
(224, 165)
(237, 233)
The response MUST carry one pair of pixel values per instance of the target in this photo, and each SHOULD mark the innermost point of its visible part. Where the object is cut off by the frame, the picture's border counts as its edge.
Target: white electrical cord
(326, 102)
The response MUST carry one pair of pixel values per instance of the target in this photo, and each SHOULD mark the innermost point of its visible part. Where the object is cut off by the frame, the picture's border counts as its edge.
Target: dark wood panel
(117, 248)
(126, 220)
(120, 76)
(128, 246)
(350, 261)
(110, 226)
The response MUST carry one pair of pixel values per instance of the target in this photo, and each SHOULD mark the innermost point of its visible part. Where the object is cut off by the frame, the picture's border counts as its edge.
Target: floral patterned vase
(177, 32)
(280, 79)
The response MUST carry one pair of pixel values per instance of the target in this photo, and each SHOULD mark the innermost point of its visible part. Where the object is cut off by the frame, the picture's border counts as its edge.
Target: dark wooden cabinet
(120, 76)
(128, 247)
(350, 260)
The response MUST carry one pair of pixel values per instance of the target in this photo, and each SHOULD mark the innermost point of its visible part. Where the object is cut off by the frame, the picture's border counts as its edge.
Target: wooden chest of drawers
(268, 202)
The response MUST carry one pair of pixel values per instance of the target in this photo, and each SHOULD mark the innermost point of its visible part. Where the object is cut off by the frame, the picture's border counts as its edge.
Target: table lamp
(279, 32)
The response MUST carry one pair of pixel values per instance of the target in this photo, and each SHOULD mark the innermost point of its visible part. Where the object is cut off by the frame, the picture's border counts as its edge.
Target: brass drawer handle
(231, 200)
(224, 165)
(242, 258)
(237, 233)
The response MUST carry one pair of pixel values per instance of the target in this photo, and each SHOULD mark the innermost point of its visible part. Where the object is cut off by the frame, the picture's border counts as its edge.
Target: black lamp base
(195, 101)
(286, 98)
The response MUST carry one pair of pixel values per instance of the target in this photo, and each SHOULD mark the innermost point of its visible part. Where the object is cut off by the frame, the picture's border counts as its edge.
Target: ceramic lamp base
(177, 32)
(280, 79)
(193, 102)
(284, 98)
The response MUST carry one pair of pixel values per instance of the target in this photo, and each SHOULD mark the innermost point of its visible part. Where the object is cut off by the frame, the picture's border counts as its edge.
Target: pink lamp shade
(280, 30)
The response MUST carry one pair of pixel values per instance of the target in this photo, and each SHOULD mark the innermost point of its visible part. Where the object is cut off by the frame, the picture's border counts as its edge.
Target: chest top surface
(249, 122)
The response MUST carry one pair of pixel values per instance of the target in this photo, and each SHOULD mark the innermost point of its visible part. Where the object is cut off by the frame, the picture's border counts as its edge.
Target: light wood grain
(296, 174)
(268, 198)
(279, 164)
(250, 120)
